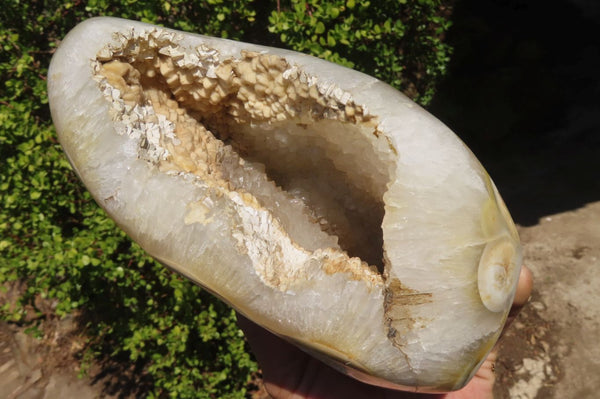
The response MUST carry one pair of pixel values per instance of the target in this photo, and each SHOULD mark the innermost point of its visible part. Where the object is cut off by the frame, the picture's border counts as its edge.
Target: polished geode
(318, 201)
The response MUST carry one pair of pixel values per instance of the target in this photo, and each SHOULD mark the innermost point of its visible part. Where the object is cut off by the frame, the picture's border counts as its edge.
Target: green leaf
(320, 28)
(330, 41)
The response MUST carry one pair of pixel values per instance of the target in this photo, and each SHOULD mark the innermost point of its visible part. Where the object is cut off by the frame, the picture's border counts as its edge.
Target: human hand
(290, 373)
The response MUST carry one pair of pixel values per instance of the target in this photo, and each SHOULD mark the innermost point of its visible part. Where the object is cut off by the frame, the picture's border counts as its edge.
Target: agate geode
(318, 201)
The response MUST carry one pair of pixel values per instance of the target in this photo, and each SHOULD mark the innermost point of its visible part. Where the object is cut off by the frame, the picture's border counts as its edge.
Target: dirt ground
(552, 349)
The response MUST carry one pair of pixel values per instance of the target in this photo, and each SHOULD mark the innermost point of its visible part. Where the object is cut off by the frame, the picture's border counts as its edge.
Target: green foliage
(399, 42)
(56, 240)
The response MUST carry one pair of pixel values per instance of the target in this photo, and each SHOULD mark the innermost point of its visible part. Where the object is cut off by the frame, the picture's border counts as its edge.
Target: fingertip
(524, 287)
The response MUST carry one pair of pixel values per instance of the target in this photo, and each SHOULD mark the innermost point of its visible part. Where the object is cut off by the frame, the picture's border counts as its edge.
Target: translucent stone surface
(316, 200)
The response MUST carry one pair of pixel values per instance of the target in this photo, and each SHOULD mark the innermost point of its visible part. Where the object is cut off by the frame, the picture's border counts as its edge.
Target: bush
(56, 240)
(399, 42)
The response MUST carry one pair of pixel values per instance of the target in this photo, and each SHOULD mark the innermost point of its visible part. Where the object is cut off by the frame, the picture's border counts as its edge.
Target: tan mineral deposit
(319, 202)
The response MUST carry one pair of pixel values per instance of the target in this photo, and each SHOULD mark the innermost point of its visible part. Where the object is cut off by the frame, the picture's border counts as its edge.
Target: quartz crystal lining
(259, 126)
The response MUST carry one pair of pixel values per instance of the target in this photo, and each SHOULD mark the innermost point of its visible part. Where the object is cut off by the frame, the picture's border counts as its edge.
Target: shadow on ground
(523, 92)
